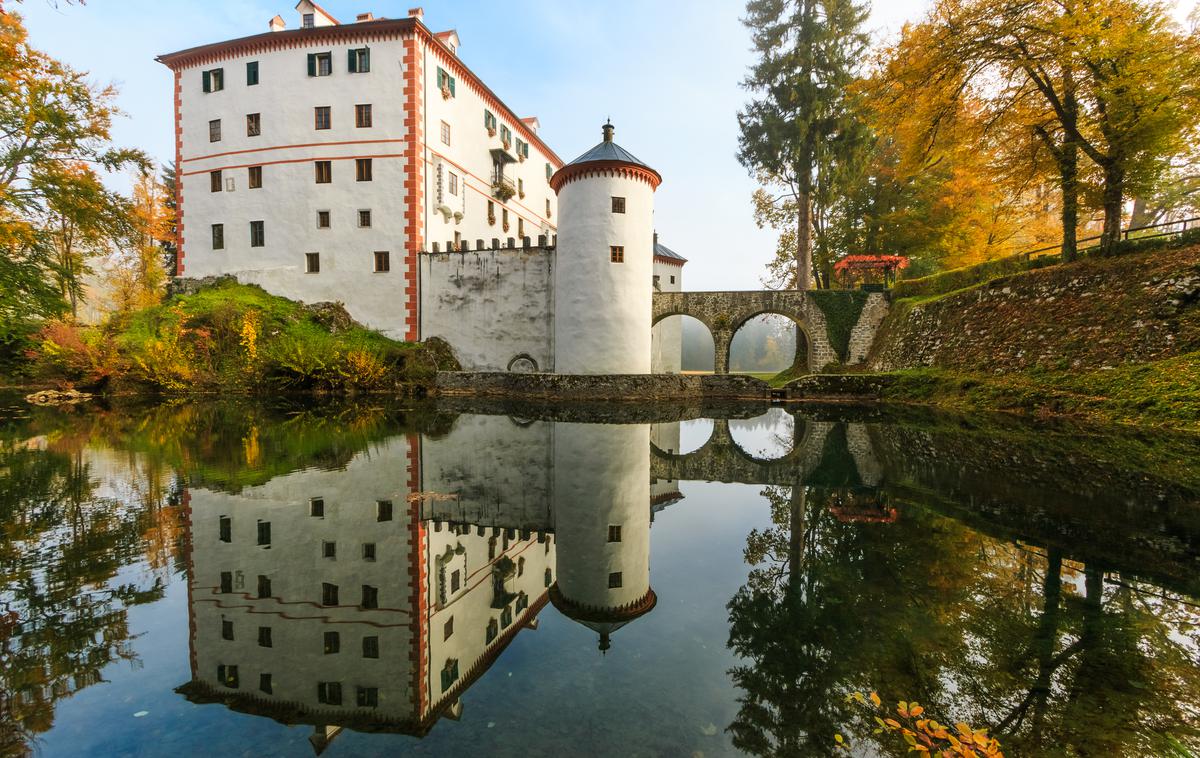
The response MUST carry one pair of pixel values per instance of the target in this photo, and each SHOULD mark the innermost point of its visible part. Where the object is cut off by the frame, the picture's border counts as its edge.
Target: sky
(667, 72)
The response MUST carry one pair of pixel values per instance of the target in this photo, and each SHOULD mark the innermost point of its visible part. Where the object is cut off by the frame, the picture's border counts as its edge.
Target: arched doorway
(681, 344)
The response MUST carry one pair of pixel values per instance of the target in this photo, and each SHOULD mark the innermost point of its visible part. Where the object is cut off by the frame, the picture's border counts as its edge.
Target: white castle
(365, 163)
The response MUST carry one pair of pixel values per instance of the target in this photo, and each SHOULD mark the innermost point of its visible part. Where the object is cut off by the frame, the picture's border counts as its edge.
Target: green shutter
(207, 76)
(366, 60)
(252, 73)
(451, 78)
(312, 64)
(352, 62)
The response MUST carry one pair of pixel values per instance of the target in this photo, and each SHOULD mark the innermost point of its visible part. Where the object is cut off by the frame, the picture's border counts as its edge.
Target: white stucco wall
(602, 309)
(491, 306)
(666, 337)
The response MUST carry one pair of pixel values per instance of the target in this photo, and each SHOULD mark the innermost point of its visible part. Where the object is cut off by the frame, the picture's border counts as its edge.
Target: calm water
(246, 579)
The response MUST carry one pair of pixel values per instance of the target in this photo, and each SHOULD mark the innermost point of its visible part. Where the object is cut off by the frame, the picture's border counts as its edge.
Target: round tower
(605, 263)
(602, 525)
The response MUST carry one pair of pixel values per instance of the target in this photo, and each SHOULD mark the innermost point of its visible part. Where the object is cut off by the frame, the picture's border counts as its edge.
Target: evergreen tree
(800, 133)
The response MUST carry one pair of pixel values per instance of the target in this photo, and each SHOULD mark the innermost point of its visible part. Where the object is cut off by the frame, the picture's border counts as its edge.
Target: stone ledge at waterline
(845, 387)
(599, 387)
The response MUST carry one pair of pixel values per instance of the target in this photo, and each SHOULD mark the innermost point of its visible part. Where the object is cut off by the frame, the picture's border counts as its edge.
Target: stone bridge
(726, 312)
(721, 459)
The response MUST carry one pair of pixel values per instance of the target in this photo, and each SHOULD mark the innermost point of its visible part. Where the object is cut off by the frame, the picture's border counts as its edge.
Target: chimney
(277, 24)
(365, 17)
(656, 242)
(608, 130)
(417, 13)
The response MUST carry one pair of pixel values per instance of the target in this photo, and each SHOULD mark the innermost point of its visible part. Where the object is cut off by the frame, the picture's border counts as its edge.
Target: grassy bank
(231, 338)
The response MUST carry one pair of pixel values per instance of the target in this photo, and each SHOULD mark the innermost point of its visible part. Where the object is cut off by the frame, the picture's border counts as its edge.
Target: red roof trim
(571, 172)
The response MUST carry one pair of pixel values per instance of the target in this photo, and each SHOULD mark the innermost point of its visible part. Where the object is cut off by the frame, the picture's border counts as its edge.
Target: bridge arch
(802, 359)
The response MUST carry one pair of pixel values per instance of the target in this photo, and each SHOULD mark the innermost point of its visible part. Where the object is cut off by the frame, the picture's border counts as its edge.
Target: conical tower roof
(607, 155)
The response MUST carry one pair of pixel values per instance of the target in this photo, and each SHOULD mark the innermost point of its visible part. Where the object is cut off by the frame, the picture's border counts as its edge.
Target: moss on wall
(842, 309)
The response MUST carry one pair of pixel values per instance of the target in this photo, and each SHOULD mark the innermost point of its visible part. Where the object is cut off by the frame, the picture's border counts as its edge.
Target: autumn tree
(139, 274)
(799, 134)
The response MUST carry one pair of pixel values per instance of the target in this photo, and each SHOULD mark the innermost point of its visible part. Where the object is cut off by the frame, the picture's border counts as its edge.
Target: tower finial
(608, 130)
(604, 643)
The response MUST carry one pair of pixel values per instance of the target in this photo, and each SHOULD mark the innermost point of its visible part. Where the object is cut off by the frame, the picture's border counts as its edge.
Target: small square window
(329, 594)
(383, 510)
(362, 116)
(548, 212)
(312, 263)
(214, 130)
(370, 647)
(322, 219)
(614, 533)
(253, 124)
(360, 60)
(214, 181)
(368, 551)
(320, 64)
(316, 505)
(447, 630)
(455, 581)
(228, 676)
(308, 20)
(225, 529)
(226, 582)
(328, 549)
(445, 133)
(255, 177)
(362, 169)
(329, 693)
(264, 586)
(264, 533)
(368, 697)
(383, 261)
(218, 236)
(614, 580)
(618, 205)
(213, 80)
(257, 234)
(370, 596)
(324, 172)
(251, 73)
(453, 183)
(672, 279)
(333, 643)
(264, 683)
(616, 254)
(226, 629)
(364, 218)
(264, 636)
(322, 117)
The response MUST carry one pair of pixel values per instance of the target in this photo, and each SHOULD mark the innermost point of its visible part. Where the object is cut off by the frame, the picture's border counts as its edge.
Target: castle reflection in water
(371, 597)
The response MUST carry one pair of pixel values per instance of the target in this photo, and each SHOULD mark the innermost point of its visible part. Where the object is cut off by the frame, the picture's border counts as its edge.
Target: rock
(57, 397)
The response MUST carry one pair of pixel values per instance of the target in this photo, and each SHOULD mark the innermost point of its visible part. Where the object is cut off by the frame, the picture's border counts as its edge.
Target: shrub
(960, 278)
(75, 353)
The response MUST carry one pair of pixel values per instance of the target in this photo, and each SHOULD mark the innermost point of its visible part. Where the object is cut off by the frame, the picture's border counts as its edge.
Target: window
(449, 674)
(618, 205)
(614, 533)
(264, 533)
(445, 82)
(329, 693)
(308, 20)
(491, 548)
(226, 629)
(493, 629)
(453, 183)
(489, 121)
(672, 278)
(228, 676)
(214, 181)
(521, 566)
(316, 505)
(505, 135)
(549, 171)
(520, 146)
(320, 64)
(321, 117)
(257, 234)
(448, 629)
(312, 263)
(360, 60)
(504, 218)
(324, 172)
(383, 261)
(370, 596)
(264, 636)
(368, 551)
(328, 549)
(455, 581)
(445, 133)
(520, 228)
(521, 188)
(614, 580)
(547, 207)
(548, 577)
(370, 647)
(322, 219)
(253, 124)
(523, 149)
(362, 116)
(251, 73)
(364, 218)
(383, 510)
(506, 617)
(368, 697)
(226, 582)
(264, 586)
(656, 278)
(491, 213)
(255, 177)
(362, 169)
(333, 643)
(218, 236)
(214, 130)
(264, 683)
(225, 528)
(213, 79)
(616, 254)
(329, 594)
